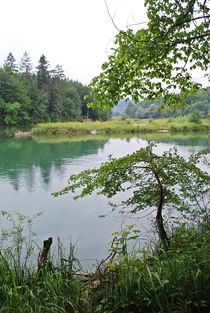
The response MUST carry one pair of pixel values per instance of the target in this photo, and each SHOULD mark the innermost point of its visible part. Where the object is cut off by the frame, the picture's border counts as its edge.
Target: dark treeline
(151, 109)
(29, 96)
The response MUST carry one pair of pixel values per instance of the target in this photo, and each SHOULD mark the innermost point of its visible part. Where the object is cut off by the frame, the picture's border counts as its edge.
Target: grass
(176, 281)
(35, 291)
(128, 126)
(24, 287)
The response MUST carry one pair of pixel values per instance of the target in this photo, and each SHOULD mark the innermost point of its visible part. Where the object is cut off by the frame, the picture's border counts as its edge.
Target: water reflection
(31, 169)
(28, 162)
(21, 159)
(190, 141)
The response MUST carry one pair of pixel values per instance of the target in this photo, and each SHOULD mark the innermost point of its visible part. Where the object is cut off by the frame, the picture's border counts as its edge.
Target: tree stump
(43, 256)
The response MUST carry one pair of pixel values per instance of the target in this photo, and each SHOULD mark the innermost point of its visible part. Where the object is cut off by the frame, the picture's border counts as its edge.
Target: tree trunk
(159, 218)
(161, 230)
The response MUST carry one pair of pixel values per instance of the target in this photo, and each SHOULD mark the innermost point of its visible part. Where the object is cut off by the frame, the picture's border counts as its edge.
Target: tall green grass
(128, 126)
(40, 291)
(151, 281)
(24, 287)
(176, 281)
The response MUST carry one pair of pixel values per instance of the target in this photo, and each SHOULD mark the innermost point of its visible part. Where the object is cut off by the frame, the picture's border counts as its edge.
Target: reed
(129, 126)
(148, 281)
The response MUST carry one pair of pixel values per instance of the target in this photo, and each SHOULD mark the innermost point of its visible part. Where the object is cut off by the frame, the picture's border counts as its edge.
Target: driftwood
(163, 131)
(43, 256)
(93, 132)
(101, 272)
(21, 134)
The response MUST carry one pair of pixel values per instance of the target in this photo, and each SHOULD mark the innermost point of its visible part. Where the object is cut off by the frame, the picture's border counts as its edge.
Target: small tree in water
(164, 183)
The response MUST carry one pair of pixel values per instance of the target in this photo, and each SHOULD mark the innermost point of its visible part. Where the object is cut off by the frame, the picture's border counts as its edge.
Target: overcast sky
(77, 34)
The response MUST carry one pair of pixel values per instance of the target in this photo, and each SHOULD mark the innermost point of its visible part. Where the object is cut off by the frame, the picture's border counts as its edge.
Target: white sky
(77, 34)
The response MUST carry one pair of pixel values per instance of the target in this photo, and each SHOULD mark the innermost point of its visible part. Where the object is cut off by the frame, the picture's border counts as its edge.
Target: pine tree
(43, 74)
(25, 64)
(58, 72)
(10, 63)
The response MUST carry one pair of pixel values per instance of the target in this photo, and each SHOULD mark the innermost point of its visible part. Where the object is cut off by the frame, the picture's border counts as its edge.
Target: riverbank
(150, 281)
(128, 126)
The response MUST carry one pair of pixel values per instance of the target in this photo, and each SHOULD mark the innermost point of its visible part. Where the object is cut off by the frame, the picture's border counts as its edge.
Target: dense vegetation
(199, 103)
(28, 96)
(174, 191)
(157, 59)
(150, 280)
(193, 123)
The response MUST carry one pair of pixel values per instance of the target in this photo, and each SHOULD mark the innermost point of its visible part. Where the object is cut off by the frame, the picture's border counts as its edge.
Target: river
(31, 169)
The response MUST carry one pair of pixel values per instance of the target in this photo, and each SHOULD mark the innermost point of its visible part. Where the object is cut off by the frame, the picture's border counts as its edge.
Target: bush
(176, 281)
(195, 117)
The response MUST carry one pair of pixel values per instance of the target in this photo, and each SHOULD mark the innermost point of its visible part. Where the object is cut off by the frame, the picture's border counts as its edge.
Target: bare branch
(136, 24)
(112, 19)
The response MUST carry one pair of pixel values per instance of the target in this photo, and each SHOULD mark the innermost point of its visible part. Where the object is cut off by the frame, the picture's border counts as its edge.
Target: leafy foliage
(176, 281)
(45, 95)
(195, 117)
(164, 183)
(152, 109)
(157, 61)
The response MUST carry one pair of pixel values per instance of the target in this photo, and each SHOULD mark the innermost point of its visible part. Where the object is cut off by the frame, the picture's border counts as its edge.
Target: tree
(43, 74)
(8, 88)
(39, 102)
(131, 110)
(56, 99)
(11, 113)
(25, 64)
(72, 103)
(195, 117)
(10, 63)
(47, 95)
(56, 92)
(58, 72)
(15, 103)
(156, 62)
(164, 183)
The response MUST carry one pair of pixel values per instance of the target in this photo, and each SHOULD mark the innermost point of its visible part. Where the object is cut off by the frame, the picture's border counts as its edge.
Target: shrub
(195, 117)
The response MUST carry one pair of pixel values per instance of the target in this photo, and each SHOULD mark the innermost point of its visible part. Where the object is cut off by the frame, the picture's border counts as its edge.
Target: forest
(28, 95)
(199, 103)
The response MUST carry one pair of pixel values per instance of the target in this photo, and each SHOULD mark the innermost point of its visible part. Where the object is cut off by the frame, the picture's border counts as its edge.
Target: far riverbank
(127, 126)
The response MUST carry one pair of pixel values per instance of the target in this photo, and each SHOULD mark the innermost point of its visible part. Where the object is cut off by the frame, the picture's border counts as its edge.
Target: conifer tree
(43, 73)
(10, 63)
(25, 64)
